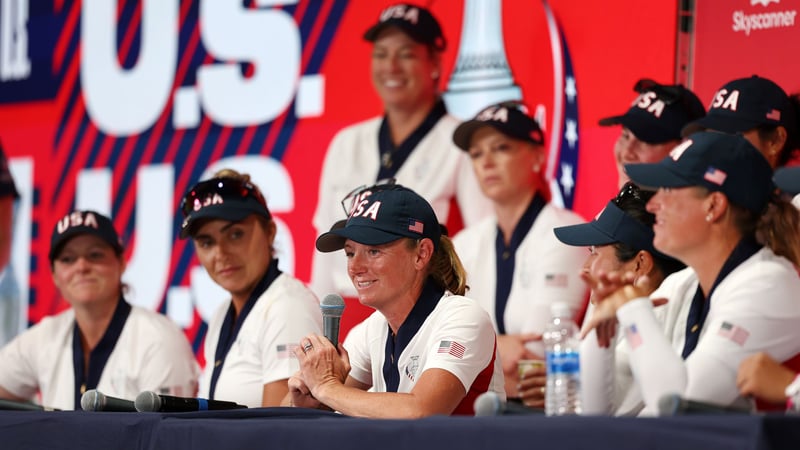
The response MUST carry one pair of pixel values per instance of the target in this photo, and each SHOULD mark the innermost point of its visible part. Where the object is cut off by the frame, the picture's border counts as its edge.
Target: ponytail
(446, 268)
(779, 229)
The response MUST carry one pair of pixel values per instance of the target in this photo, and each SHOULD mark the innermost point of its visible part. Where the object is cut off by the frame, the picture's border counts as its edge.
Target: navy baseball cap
(744, 104)
(415, 21)
(223, 198)
(83, 222)
(659, 113)
(788, 179)
(509, 118)
(721, 162)
(611, 226)
(381, 214)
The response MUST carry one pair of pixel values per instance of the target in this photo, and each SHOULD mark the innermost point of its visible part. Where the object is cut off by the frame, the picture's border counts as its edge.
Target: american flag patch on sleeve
(452, 348)
(286, 350)
(555, 280)
(633, 336)
(734, 333)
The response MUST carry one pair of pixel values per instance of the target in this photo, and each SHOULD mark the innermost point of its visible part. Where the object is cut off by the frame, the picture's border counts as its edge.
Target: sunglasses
(629, 191)
(349, 200)
(203, 193)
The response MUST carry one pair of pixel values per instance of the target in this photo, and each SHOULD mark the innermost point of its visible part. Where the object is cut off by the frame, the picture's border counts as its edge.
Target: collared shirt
(391, 157)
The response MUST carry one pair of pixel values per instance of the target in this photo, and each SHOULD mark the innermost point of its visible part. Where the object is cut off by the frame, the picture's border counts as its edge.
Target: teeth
(391, 83)
(363, 284)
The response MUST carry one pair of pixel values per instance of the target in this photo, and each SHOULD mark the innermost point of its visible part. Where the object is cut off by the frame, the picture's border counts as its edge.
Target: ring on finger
(307, 347)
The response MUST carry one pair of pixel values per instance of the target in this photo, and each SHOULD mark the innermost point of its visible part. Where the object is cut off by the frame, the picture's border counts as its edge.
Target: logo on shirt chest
(412, 367)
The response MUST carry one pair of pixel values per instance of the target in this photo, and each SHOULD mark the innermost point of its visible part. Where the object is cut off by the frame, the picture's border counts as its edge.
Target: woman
(759, 110)
(249, 341)
(516, 266)
(426, 349)
(620, 239)
(652, 125)
(737, 297)
(410, 142)
(101, 342)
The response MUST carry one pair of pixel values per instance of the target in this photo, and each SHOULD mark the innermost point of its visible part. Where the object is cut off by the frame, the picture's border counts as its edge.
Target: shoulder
(369, 126)
(555, 216)
(467, 236)
(459, 307)
(151, 323)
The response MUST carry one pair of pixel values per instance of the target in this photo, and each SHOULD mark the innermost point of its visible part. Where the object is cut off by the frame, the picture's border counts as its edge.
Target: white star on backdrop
(569, 89)
(571, 134)
(566, 180)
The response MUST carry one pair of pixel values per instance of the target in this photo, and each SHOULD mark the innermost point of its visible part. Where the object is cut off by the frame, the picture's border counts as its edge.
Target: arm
(170, 363)
(598, 370)
(6, 225)
(761, 376)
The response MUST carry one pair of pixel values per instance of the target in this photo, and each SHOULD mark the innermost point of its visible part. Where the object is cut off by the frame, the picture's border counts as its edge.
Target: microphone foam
(147, 401)
(332, 305)
(669, 404)
(92, 400)
(487, 404)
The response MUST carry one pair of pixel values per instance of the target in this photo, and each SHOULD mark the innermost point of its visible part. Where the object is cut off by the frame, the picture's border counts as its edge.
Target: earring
(536, 168)
(709, 217)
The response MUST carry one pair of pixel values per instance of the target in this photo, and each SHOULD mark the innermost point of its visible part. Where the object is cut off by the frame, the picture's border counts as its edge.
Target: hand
(761, 376)
(532, 386)
(512, 349)
(609, 292)
(320, 363)
(299, 394)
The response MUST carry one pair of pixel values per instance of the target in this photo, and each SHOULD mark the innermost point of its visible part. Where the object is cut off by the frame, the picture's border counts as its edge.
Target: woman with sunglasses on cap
(620, 239)
(652, 125)
(761, 111)
(101, 342)
(410, 142)
(715, 211)
(426, 349)
(516, 268)
(250, 337)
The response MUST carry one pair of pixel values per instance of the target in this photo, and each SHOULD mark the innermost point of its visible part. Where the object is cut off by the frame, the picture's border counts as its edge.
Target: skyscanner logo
(748, 22)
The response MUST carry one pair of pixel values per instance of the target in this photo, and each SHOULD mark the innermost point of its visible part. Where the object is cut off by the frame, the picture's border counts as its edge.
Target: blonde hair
(445, 266)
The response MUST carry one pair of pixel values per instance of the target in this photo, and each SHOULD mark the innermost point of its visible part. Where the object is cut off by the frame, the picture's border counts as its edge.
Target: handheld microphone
(94, 400)
(490, 404)
(149, 401)
(332, 307)
(674, 404)
(11, 405)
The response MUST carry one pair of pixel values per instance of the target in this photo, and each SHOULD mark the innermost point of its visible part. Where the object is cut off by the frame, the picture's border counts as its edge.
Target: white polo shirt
(457, 336)
(151, 354)
(436, 169)
(756, 308)
(545, 271)
(262, 351)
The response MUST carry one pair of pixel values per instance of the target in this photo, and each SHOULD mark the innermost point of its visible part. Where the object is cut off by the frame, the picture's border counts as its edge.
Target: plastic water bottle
(562, 395)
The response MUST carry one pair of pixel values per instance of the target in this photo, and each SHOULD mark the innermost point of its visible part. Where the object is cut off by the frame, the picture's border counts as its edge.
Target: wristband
(793, 395)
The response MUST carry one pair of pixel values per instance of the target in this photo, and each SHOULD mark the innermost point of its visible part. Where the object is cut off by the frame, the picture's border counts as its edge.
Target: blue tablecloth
(295, 429)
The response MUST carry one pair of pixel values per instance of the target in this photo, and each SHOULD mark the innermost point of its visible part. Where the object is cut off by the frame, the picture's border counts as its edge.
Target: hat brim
(788, 179)
(583, 235)
(718, 122)
(463, 133)
(232, 213)
(374, 31)
(334, 240)
(655, 175)
(69, 234)
(643, 132)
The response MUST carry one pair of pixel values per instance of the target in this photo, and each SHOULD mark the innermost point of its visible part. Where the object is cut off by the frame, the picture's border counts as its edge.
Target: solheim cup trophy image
(481, 76)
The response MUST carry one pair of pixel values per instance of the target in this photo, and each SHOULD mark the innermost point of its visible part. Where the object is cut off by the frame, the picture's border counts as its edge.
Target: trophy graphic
(481, 76)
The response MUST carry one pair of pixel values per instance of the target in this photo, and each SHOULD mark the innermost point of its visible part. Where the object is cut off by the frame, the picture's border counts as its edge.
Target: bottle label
(563, 362)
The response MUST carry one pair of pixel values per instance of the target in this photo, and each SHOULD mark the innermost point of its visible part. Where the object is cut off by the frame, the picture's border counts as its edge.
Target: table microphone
(332, 307)
(491, 404)
(94, 400)
(149, 401)
(11, 405)
(674, 404)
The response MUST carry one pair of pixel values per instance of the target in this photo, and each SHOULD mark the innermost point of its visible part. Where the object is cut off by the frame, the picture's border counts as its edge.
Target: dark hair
(633, 201)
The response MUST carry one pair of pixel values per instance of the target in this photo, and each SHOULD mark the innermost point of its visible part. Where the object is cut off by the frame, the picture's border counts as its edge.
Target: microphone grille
(332, 305)
(91, 399)
(147, 401)
(669, 405)
(487, 404)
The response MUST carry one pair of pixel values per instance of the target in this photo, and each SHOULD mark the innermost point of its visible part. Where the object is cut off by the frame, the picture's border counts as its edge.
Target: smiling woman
(250, 337)
(426, 349)
(101, 342)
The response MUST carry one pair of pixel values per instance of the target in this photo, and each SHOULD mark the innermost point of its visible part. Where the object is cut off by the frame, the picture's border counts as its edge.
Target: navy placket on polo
(698, 311)
(232, 324)
(428, 299)
(99, 355)
(505, 258)
(391, 157)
